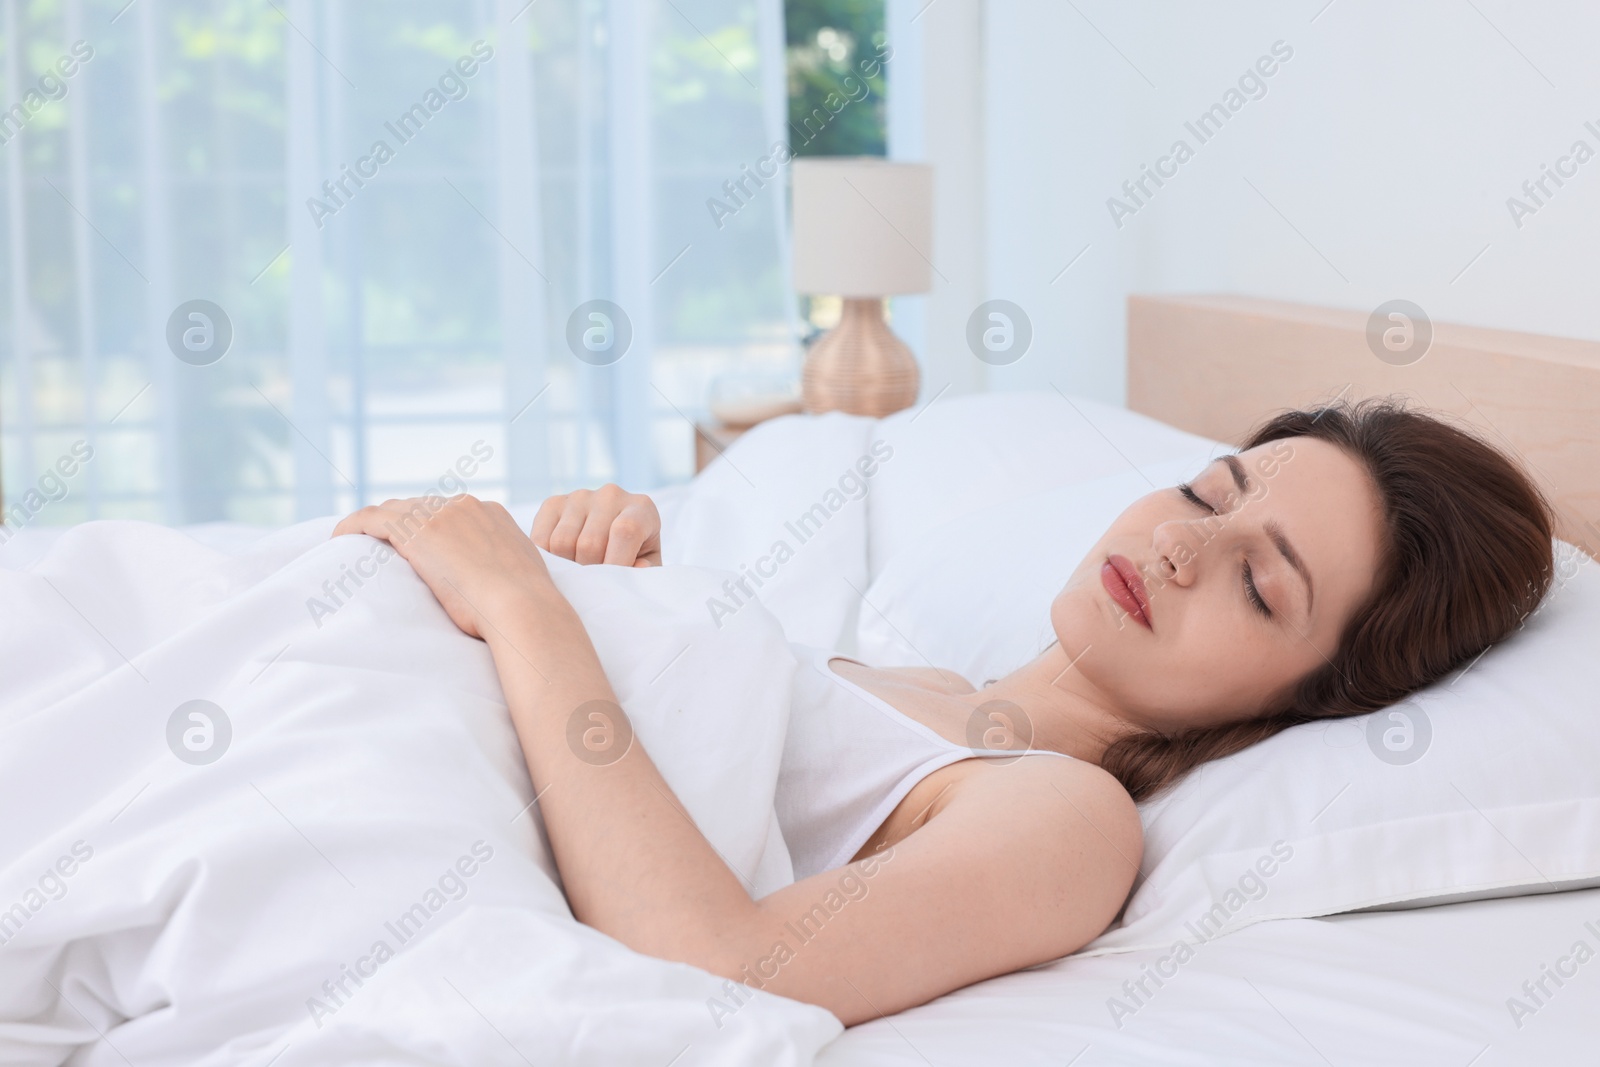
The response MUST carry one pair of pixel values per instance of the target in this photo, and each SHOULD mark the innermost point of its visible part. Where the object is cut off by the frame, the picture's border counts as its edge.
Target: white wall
(1390, 141)
(936, 115)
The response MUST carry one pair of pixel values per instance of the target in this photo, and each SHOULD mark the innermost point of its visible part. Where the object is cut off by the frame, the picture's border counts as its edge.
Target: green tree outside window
(837, 77)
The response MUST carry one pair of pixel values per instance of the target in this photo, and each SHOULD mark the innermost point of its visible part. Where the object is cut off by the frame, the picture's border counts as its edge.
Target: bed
(1392, 983)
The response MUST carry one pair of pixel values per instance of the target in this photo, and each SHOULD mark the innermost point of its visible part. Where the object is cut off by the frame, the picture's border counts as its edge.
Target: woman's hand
(471, 553)
(605, 525)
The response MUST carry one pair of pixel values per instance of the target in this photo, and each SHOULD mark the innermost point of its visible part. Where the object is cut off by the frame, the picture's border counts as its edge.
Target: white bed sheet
(1428, 986)
(310, 877)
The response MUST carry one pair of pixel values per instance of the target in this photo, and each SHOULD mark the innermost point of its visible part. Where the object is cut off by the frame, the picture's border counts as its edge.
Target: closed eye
(1251, 593)
(1189, 494)
(1254, 594)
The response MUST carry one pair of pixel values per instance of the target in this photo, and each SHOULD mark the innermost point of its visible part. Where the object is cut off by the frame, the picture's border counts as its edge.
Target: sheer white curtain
(404, 214)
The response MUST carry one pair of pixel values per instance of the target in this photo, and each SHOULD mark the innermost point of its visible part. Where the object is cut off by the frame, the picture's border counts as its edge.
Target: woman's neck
(1066, 711)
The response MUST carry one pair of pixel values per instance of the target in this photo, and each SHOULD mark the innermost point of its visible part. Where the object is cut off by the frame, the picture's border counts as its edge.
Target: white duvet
(336, 857)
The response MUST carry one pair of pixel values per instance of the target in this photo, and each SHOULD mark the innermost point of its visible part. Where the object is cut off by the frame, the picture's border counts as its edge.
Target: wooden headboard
(1218, 365)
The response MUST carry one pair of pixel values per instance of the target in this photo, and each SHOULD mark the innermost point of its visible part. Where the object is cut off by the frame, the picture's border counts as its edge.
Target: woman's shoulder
(1051, 831)
(1071, 800)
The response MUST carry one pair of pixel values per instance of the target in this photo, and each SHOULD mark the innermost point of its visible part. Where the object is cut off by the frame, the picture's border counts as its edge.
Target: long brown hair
(1467, 557)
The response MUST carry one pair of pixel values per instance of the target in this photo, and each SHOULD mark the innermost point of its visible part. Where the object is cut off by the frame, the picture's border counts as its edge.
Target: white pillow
(785, 509)
(1484, 784)
(974, 594)
(958, 455)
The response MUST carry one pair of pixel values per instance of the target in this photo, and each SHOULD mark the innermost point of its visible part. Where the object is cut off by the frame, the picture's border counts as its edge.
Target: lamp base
(860, 366)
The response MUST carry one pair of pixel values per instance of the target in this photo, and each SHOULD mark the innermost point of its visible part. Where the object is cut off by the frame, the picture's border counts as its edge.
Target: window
(835, 105)
(390, 310)
(837, 81)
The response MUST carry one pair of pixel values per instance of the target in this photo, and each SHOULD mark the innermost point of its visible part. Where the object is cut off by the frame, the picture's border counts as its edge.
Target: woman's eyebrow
(1236, 468)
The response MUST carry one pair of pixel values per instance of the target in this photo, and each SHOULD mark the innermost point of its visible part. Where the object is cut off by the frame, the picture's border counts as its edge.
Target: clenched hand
(605, 525)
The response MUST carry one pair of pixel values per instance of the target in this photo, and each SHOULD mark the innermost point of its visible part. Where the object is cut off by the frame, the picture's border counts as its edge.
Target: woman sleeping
(1344, 558)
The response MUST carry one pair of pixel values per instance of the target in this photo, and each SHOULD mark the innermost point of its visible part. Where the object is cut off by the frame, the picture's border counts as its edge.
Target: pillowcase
(974, 594)
(785, 510)
(957, 455)
(1484, 784)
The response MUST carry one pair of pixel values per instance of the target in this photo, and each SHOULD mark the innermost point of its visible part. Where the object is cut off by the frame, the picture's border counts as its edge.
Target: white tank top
(848, 759)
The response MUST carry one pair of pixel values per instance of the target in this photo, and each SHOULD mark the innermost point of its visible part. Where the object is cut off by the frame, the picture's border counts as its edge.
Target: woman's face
(1195, 611)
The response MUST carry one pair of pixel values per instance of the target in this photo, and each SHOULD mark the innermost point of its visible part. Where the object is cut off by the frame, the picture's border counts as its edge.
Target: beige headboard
(1217, 365)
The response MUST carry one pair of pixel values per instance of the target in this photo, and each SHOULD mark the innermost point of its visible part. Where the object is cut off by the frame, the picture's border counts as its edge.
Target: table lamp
(863, 230)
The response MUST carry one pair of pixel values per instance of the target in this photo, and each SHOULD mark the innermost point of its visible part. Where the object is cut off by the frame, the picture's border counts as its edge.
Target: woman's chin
(1081, 616)
(1078, 623)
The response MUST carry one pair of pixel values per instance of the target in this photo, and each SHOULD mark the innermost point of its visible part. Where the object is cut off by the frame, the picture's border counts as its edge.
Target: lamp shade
(863, 227)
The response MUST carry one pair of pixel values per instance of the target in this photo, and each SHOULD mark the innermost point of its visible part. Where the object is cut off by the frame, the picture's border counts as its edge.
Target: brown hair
(1467, 558)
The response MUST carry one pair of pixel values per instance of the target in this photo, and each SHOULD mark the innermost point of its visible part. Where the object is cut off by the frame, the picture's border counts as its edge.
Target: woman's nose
(1177, 547)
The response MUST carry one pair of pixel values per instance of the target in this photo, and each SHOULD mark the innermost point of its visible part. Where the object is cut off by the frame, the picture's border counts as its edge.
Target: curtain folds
(266, 261)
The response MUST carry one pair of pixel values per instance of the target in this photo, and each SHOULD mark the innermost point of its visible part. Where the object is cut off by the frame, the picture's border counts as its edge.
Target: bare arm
(1006, 872)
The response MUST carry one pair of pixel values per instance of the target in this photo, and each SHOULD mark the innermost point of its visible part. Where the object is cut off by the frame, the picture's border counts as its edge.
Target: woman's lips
(1122, 581)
